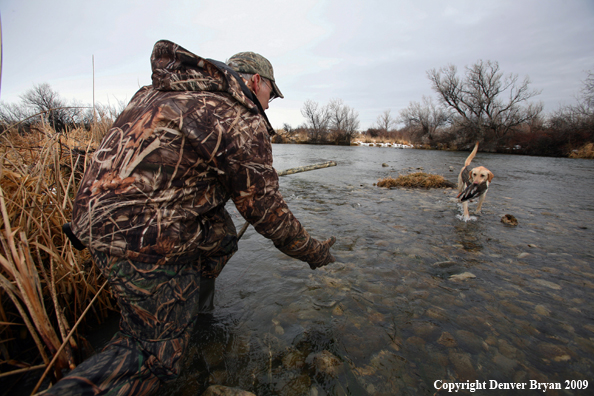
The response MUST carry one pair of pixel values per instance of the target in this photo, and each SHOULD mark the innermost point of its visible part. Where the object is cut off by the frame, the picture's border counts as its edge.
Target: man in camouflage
(151, 209)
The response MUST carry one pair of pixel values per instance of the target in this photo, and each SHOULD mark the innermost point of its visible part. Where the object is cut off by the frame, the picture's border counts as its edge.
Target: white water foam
(470, 218)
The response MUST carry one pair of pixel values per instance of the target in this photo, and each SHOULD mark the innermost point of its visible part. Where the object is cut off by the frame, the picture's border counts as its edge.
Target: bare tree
(488, 103)
(11, 114)
(43, 99)
(43, 103)
(588, 91)
(352, 125)
(344, 121)
(317, 120)
(385, 122)
(425, 118)
(574, 124)
(288, 128)
(585, 101)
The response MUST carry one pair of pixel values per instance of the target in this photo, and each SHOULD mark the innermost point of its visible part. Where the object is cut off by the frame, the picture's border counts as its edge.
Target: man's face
(264, 93)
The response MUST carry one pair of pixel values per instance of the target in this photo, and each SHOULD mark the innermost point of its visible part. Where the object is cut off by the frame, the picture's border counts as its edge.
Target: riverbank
(585, 152)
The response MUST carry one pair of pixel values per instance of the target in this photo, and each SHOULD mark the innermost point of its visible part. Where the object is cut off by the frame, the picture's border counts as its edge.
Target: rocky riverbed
(418, 298)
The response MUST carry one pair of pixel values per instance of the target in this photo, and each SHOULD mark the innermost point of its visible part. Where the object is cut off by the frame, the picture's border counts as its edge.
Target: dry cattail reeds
(45, 284)
(416, 180)
(586, 151)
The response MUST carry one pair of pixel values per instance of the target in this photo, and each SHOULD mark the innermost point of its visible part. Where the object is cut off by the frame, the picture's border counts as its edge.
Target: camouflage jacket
(180, 150)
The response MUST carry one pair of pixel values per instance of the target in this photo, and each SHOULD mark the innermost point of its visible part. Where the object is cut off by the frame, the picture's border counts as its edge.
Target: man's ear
(256, 81)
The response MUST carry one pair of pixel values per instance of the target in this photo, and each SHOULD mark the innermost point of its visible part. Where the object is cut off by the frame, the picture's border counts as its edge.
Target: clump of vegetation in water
(416, 180)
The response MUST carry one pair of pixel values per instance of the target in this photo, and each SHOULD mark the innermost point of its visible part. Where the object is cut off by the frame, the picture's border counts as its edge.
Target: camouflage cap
(252, 63)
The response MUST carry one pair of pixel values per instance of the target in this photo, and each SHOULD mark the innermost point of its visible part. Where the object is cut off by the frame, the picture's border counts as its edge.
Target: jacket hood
(177, 69)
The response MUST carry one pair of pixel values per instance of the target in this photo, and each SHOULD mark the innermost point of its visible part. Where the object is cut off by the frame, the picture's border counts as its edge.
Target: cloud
(372, 54)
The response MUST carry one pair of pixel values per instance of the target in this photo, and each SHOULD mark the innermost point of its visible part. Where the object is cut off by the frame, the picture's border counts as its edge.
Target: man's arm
(254, 188)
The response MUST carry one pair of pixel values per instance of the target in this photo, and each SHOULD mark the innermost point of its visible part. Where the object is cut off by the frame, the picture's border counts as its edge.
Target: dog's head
(480, 174)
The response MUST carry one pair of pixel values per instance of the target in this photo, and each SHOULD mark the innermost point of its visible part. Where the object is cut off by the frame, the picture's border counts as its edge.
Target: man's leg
(158, 306)
(220, 242)
(221, 248)
(207, 292)
(117, 370)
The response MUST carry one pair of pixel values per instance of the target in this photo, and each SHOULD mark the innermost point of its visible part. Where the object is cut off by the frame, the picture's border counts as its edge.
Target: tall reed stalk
(48, 282)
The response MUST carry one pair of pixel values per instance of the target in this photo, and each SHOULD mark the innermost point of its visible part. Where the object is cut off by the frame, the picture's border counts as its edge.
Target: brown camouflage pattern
(158, 305)
(151, 209)
(252, 63)
(156, 188)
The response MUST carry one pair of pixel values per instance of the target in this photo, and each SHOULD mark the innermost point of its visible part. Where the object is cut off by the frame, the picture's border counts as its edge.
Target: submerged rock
(549, 351)
(513, 308)
(471, 341)
(548, 284)
(293, 360)
(463, 276)
(295, 386)
(425, 330)
(506, 364)
(338, 311)
(387, 363)
(220, 390)
(509, 220)
(542, 310)
(447, 340)
(463, 365)
(326, 363)
(279, 330)
(437, 314)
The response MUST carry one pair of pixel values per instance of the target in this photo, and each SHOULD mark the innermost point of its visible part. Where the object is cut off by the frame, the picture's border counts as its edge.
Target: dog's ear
(490, 176)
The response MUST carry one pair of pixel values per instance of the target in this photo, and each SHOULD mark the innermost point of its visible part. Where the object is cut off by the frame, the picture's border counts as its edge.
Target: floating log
(306, 168)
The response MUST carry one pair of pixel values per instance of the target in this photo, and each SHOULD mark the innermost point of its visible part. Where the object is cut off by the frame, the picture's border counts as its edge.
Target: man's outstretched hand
(328, 257)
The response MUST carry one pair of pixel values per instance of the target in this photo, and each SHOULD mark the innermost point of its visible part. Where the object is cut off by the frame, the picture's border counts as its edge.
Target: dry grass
(586, 151)
(282, 136)
(415, 180)
(45, 284)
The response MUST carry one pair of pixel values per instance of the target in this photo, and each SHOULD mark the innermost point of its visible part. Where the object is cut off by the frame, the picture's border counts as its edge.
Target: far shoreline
(585, 153)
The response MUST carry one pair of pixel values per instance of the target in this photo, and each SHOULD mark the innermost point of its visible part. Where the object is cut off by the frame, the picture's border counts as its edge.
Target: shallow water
(417, 296)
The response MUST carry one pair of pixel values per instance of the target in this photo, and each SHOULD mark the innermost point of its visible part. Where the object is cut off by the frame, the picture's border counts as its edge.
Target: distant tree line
(483, 104)
(487, 106)
(333, 123)
(42, 105)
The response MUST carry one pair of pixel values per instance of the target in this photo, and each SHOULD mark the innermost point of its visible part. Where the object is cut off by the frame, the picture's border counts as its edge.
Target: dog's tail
(471, 156)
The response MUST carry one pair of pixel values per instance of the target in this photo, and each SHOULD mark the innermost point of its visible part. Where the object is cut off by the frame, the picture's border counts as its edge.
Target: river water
(418, 298)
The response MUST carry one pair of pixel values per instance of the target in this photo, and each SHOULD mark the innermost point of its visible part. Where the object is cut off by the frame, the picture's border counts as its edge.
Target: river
(417, 297)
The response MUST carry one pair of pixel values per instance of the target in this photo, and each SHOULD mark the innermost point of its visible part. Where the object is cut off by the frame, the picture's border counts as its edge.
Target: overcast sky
(373, 55)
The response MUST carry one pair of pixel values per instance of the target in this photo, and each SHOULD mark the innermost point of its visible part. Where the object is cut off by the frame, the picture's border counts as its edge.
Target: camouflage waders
(159, 305)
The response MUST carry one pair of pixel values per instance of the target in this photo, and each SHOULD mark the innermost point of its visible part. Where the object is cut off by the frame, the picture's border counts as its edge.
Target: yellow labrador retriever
(472, 183)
